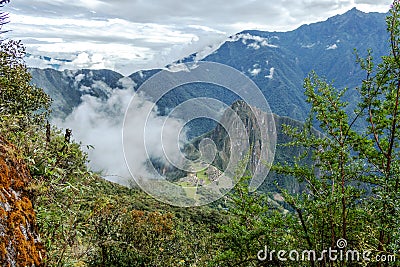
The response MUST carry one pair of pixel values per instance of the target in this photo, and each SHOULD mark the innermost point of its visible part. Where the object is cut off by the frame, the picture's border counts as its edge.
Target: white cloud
(99, 123)
(79, 78)
(112, 43)
(255, 72)
(271, 73)
(254, 45)
(309, 45)
(332, 47)
(133, 35)
(255, 41)
(206, 29)
(81, 59)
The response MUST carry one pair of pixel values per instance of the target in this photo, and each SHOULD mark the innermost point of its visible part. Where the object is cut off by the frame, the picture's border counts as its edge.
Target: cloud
(271, 73)
(133, 35)
(332, 47)
(99, 123)
(255, 41)
(374, 2)
(124, 45)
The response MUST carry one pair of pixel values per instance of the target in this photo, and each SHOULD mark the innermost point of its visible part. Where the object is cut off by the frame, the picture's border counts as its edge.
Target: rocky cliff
(283, 153)
(19, 240)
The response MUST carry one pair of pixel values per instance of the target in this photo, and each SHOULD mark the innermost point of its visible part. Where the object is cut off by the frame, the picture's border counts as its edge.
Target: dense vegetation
(352, 186)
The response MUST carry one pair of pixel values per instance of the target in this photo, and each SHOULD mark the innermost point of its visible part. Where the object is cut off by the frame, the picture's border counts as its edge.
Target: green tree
(84, 220)
(380, 106)
(18, 97)
(58, 166)
(353, 184)
(255, 223)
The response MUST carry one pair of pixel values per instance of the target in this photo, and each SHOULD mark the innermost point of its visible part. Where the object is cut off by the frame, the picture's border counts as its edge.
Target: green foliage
(351, 179)
(353, 184)
(131, 237)
(84, 220)
(254, 223)
(380, 93)
(18, 97)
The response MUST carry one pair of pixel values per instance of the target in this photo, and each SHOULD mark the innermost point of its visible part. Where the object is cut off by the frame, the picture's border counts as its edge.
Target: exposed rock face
(283, 154)
(250, 117)
(19, 241)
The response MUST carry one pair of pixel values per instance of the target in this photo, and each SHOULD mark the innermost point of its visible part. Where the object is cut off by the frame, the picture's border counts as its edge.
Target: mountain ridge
(277, 62)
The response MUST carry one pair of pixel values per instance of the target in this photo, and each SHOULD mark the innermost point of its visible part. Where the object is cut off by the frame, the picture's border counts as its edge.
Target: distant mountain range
(277, 62)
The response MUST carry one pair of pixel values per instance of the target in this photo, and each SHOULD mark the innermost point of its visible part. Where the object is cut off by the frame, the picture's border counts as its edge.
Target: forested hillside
(346, 214)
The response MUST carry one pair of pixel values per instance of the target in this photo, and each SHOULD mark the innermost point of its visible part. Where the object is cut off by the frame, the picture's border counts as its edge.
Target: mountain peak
(355, 10)
(353, 13)
(357, 21)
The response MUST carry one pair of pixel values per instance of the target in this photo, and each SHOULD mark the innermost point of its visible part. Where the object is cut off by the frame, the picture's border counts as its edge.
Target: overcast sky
(128, 35)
